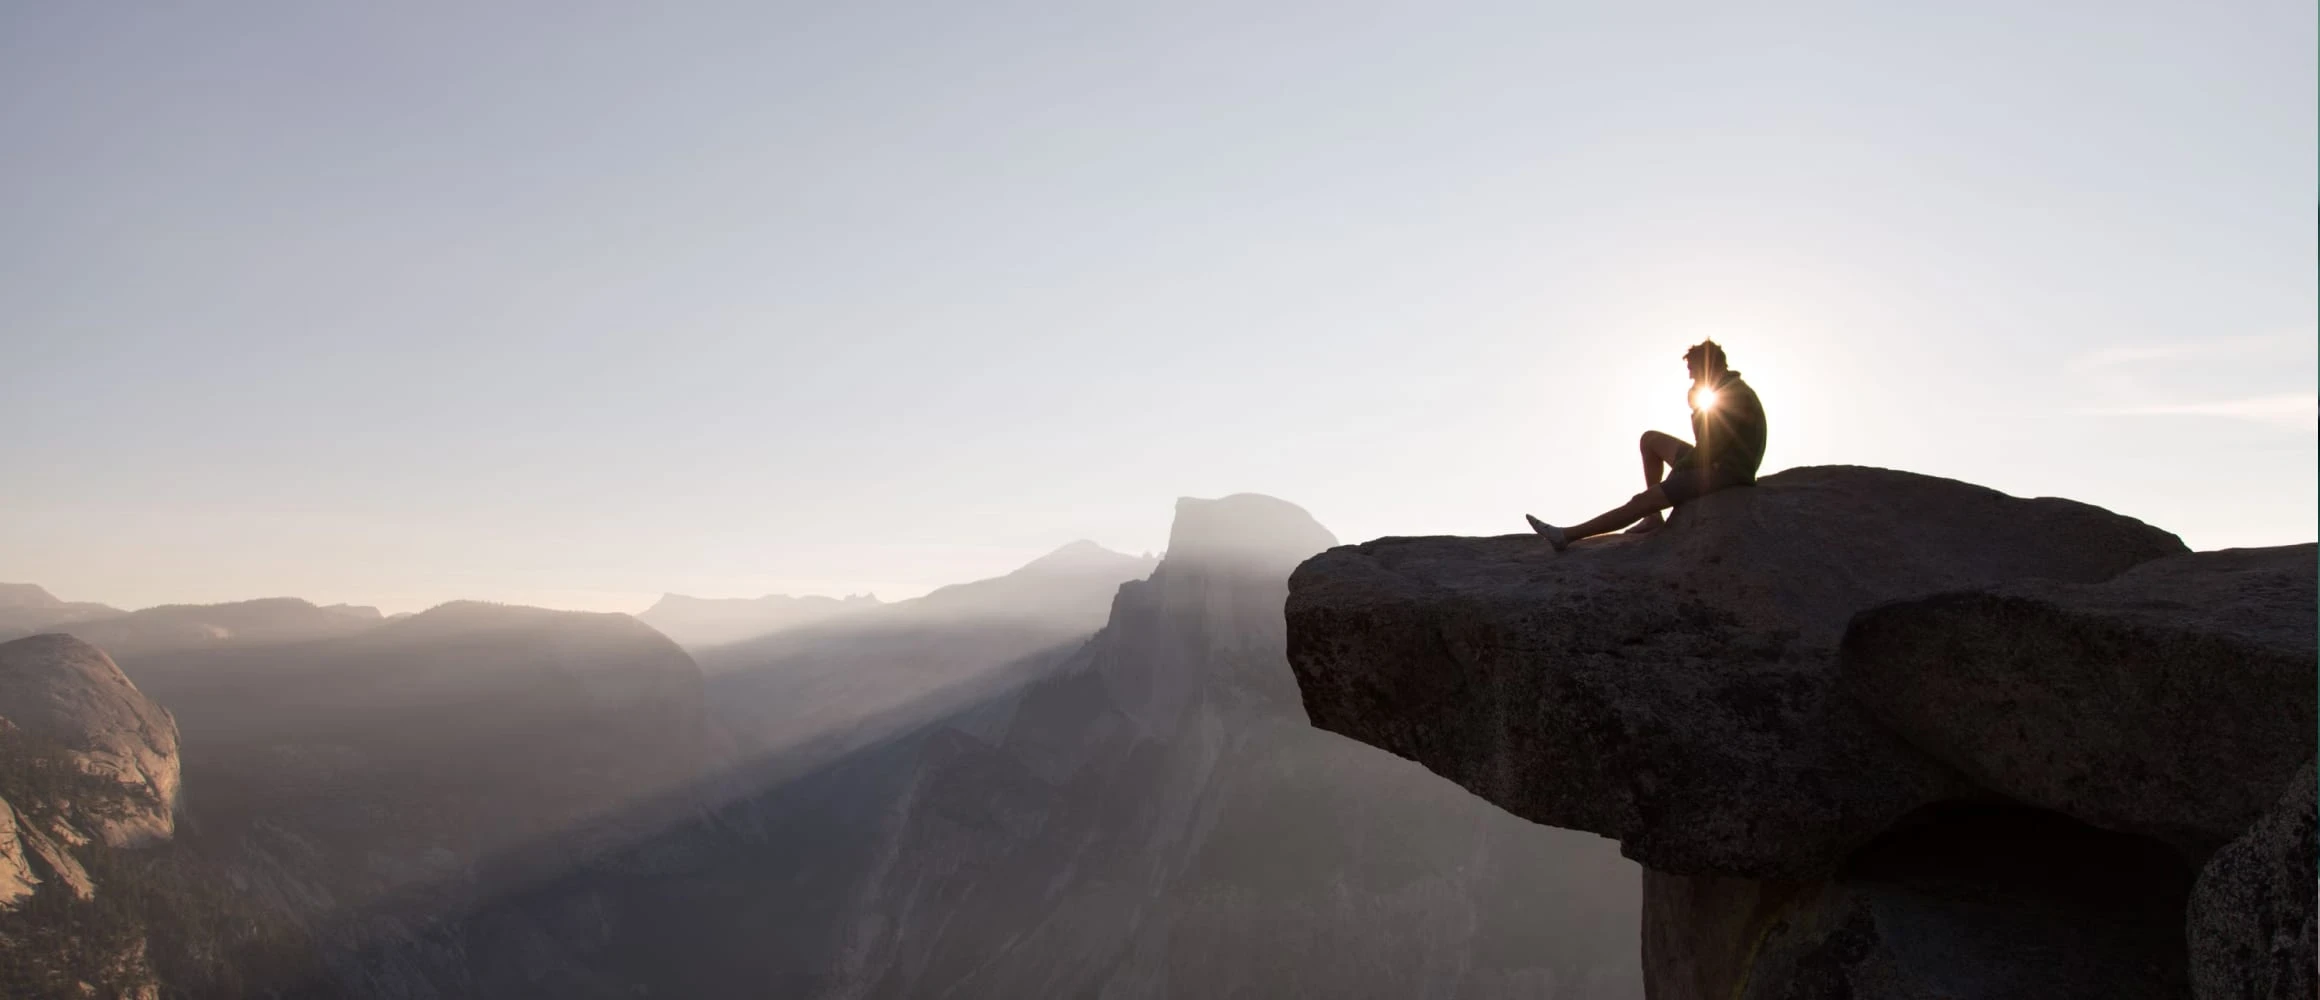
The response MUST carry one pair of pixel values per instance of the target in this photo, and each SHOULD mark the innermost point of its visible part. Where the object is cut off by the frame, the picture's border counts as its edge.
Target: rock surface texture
(88, 770)
(2171, 701)
(1873, 734)
(2251, 924)
(1674, 690)
(58, 689)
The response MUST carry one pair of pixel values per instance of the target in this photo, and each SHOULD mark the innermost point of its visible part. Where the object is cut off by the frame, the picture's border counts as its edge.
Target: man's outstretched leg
(1649, 502)
(1660, 451)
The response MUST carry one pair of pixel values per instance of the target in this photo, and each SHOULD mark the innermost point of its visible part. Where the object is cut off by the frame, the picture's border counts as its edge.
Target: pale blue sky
(575, 303)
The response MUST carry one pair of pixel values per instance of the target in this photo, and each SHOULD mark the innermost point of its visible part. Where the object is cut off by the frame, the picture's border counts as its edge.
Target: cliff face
(88, 770)
(1984, 770)
(66, 693)
(1156, 819)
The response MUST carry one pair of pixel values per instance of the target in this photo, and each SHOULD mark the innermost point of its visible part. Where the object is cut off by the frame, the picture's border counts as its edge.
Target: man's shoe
(1554, 534)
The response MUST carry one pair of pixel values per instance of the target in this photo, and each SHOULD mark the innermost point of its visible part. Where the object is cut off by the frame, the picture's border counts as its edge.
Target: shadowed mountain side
(1150, 818)
(815, 692)
(358, 766)
(810, 691)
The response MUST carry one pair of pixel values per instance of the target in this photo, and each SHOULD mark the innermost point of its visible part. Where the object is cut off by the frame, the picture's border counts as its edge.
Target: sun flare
(1704, 398)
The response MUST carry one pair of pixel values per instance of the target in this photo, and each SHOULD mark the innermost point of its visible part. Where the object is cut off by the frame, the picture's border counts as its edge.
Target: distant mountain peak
(707, 621)
(1082, 557)
(26, 595)
(671, 601)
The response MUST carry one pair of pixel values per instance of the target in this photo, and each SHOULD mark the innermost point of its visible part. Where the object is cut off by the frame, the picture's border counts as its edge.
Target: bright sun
(1704, 398)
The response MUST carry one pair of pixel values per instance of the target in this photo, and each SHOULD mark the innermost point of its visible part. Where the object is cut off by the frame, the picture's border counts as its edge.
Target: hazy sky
(571, 304)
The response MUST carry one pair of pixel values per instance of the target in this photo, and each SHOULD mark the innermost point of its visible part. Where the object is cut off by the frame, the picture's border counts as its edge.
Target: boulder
(64, 692)
(1676, 690)
(2169, 701)
(2251, 918)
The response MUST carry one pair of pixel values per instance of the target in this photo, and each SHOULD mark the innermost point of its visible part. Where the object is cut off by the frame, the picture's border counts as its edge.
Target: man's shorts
(1686, 483)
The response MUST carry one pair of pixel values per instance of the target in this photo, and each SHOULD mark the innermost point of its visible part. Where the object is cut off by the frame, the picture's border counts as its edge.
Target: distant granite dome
(89, 765)
(66, 692)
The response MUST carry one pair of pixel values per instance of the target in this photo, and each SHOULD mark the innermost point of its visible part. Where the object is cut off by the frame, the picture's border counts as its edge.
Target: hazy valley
(1091, 776)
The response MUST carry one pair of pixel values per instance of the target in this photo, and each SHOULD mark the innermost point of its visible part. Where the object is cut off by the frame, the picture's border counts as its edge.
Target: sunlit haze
(396, 303)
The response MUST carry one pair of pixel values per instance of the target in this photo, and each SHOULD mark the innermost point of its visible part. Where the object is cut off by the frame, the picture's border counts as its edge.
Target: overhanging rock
(1677, 690)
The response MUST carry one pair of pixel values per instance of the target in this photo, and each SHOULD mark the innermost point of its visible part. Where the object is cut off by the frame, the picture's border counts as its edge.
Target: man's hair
(1709, 353)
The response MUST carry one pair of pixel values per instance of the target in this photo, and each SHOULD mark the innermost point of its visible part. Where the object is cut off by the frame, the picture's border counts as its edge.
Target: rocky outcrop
(65, 692)
(1873, 734)
(88, 771)
(1675, 690)
(2251, 924)
(2170, 701)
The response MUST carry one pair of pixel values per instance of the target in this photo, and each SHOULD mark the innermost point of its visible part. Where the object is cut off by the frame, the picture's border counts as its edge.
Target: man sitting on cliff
(1728, 423)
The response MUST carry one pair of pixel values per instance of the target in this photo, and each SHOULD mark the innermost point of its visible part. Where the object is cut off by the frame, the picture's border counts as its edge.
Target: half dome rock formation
(1925, 808)
(66, 693)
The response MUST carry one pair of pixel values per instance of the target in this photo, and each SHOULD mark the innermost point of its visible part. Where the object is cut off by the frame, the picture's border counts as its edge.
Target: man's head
(1705, 359)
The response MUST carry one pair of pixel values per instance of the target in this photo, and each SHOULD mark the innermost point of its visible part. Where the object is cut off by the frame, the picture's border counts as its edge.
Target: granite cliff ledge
(1794, 704)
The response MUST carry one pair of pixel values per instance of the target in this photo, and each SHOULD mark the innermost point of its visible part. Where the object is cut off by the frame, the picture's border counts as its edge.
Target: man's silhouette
(1727, 423)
